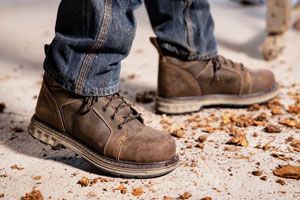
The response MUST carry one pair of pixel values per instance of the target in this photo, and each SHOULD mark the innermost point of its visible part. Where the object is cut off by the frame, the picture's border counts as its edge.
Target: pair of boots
(110, 133)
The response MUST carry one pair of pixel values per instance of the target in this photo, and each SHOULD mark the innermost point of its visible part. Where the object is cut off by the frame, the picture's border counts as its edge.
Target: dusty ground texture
(208, 169)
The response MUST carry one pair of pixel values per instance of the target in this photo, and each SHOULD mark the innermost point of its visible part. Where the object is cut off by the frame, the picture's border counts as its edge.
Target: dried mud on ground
(260, 143)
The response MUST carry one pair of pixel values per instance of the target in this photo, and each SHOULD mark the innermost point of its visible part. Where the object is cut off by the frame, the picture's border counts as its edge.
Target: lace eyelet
(112, 118)
(103, 110)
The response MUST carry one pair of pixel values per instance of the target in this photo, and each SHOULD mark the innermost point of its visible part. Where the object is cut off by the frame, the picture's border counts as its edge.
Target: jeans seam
(87, 62)
(189, 27)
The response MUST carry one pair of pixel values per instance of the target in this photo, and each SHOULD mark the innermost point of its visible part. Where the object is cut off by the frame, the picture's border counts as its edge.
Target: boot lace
(89, 102)
(217, 65)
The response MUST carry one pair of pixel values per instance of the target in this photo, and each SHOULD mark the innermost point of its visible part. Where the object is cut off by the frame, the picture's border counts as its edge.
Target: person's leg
(92, 37)
(191, 74)
(78, 106)
(184, 28)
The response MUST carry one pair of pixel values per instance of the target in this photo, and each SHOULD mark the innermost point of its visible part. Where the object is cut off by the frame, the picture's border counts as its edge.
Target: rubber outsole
(184, 105)
(49, 136)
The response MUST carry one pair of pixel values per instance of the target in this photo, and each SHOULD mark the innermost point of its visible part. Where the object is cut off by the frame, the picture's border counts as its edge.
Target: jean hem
(86, 91)
(203, 56)
(191, 56)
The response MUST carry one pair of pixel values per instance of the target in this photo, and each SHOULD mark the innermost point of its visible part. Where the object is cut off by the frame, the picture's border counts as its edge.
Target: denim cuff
(189, 56)
(86, 91)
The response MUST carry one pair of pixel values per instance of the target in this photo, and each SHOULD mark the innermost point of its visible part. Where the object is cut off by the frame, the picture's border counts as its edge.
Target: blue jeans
(93, 36)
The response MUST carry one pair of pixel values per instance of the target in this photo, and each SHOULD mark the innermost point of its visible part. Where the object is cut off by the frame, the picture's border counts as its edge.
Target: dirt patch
(33, 195)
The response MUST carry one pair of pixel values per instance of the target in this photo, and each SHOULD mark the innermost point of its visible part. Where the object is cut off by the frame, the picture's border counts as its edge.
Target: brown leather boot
(106, 131)
(186, 86)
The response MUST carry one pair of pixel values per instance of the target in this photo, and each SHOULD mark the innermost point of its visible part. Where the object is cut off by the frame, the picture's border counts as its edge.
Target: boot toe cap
(148, 146)
(262, 81)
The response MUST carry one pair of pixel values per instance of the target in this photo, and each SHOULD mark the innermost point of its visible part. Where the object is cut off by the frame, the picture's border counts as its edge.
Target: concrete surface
(26, 25)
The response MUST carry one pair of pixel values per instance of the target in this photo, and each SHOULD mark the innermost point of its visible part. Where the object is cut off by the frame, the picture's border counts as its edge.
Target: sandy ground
(26, 25)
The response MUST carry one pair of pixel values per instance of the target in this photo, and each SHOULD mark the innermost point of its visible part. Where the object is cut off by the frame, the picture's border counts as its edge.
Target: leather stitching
(120, 144)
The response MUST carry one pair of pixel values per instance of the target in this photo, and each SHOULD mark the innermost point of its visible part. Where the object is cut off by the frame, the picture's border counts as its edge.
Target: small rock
(37, 178)
(257, 173)
(240, 140)
(281, 182)
(121, 188)
(33, 195)
(137, 192)
(295, 144)
(264, 178)
(200, 146)
(288, 171)
(289, 122)
(178, 132)
(294, 109)
(281, 156)
(272, 129)
(206, 198)
(276, 111)
(84, 182)
(15, 166)
(185, 195)
(202, 139)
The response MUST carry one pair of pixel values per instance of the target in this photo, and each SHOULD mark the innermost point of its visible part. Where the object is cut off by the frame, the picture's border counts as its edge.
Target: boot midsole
(192, 104)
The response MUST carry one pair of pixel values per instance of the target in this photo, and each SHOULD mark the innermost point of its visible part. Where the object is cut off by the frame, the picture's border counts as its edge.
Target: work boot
(106, 131)
(186, 86)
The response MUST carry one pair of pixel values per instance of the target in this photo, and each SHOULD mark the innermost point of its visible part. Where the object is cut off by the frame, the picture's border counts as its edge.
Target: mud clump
(84, 181)
(288, 171)
(186, 195)
(257, 173)
(272, 129)
(137, 192)
(239, 140)
(33, 195)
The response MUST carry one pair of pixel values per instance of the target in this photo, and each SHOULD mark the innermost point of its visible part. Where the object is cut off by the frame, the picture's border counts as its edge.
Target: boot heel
(42, 136)
(168, 106)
